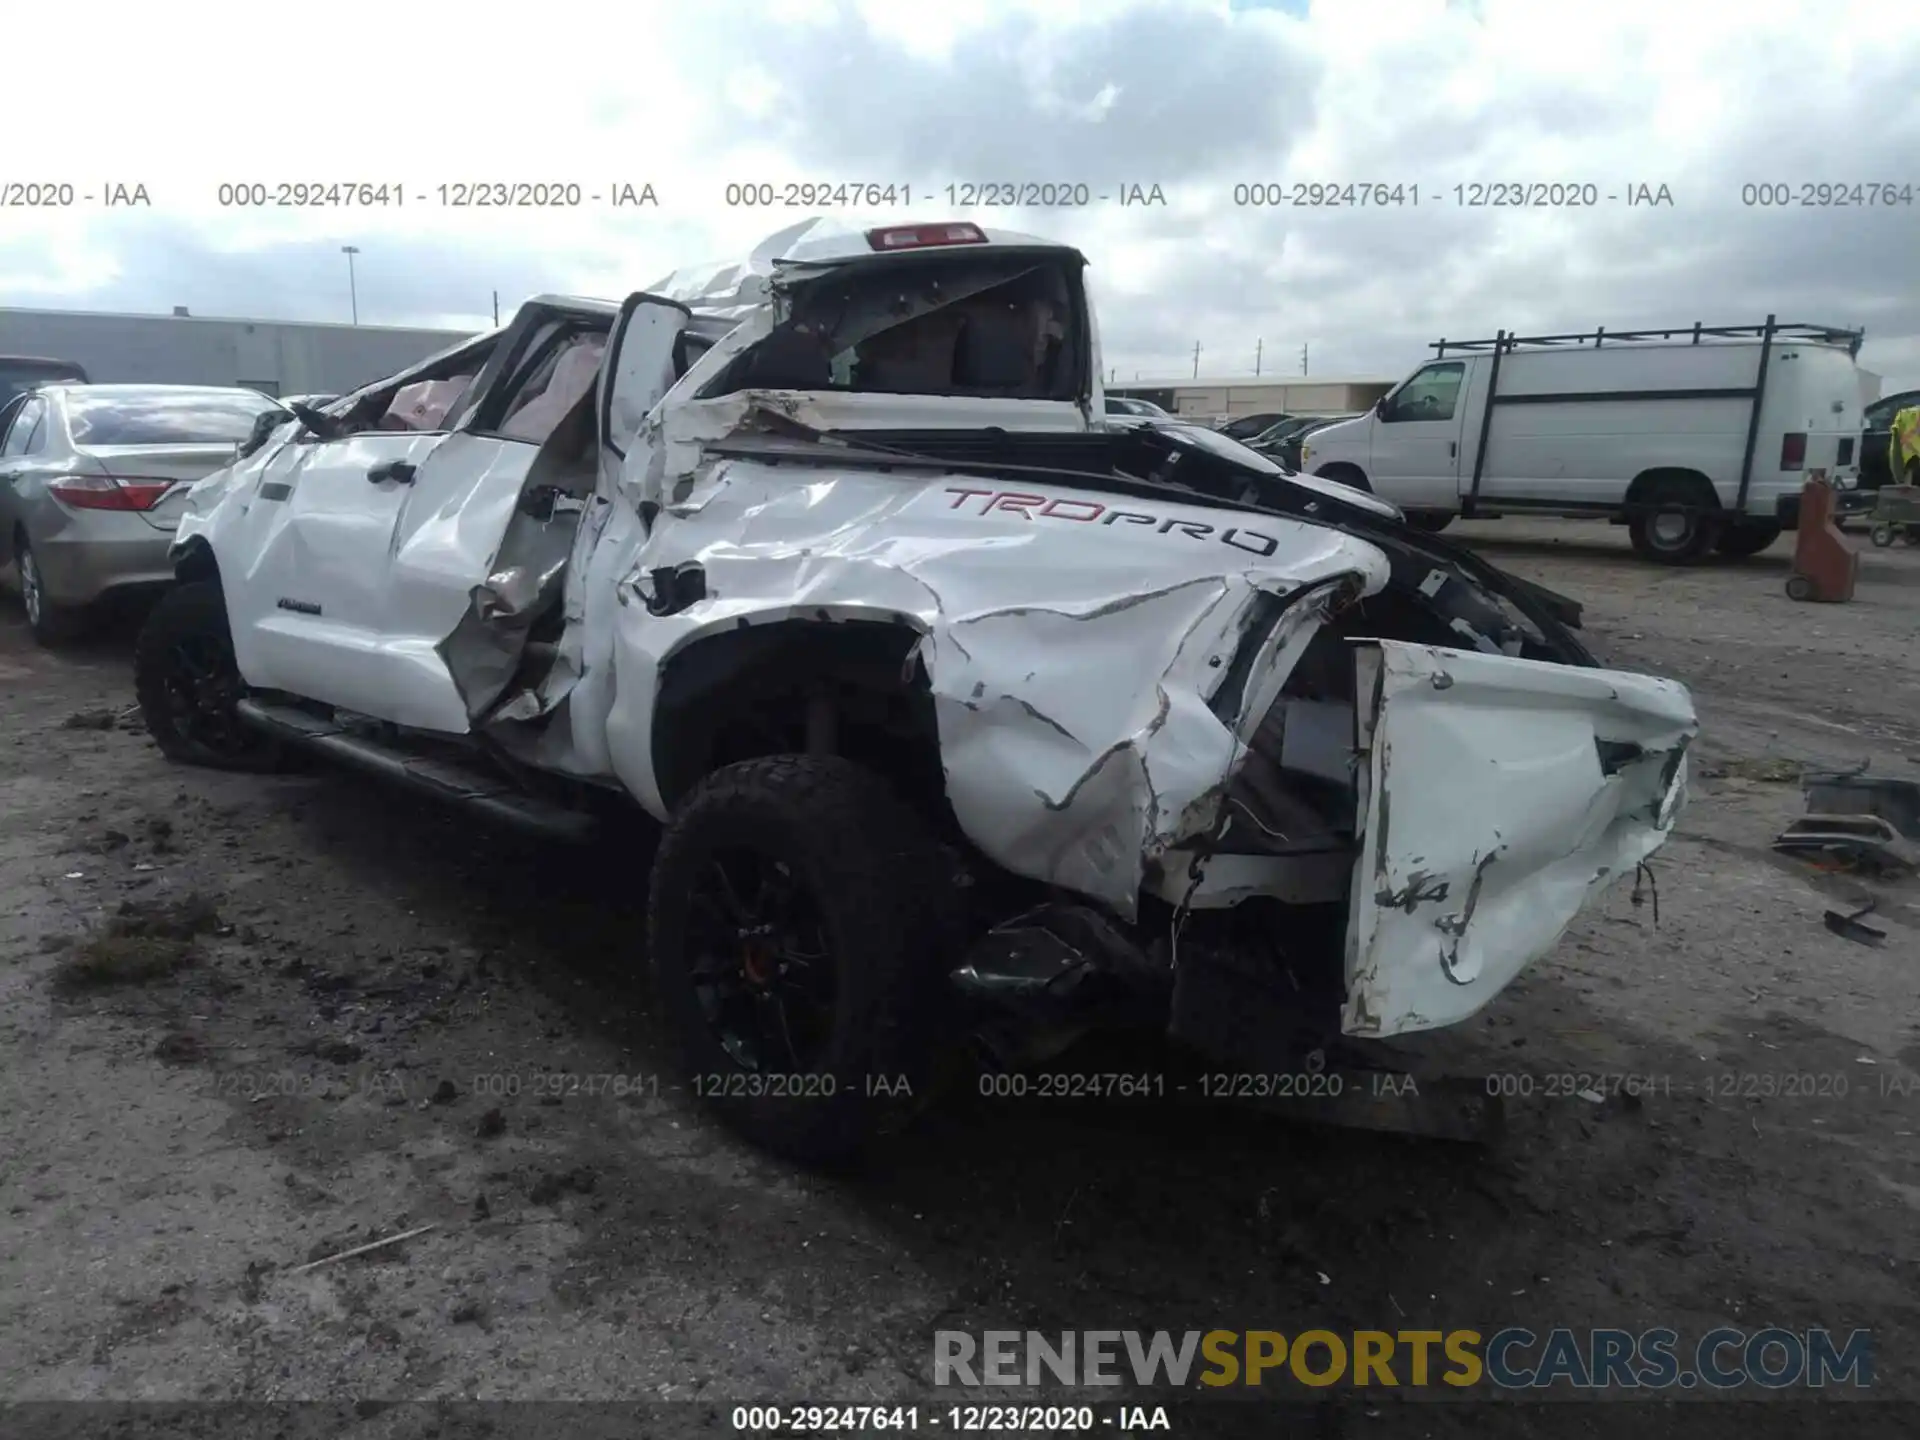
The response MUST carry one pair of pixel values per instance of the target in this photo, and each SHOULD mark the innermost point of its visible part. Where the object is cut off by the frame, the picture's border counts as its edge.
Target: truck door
(642, 365)
(645, 358)
(1416, 439)
(389, 533)
(460, 504)
(306, 564)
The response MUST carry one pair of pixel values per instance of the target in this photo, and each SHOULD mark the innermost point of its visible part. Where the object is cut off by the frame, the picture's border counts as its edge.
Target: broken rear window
(1008, 326)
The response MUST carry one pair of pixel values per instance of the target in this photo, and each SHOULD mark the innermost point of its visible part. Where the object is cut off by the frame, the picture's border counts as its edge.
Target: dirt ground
(246, 1024)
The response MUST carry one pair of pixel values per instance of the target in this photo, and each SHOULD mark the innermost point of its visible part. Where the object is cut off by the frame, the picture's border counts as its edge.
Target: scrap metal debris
(1894, 800)
(1848, 927)
(1854, 821)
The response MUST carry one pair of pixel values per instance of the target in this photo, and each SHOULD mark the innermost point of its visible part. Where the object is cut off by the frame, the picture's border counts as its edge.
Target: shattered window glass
(990, 326)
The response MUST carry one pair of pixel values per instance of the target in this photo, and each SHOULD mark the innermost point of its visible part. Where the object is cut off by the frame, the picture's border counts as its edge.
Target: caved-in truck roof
(723, 287)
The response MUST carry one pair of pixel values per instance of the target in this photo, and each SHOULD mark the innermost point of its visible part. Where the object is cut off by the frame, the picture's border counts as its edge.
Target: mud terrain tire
(877, 895)
(187, 683)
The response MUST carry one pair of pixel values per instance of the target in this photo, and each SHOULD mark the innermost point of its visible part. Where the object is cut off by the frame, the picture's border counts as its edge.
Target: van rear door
(1811, 419)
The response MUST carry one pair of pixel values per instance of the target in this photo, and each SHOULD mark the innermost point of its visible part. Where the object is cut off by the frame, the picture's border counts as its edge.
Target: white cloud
(1193, 96)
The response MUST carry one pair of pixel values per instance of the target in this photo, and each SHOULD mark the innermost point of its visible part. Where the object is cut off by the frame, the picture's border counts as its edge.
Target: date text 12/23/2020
(960, 195)
(1469, 195)
(956, 1419)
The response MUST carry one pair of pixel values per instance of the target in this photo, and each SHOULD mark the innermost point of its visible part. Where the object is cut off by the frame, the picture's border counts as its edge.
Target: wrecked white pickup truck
(965, 716)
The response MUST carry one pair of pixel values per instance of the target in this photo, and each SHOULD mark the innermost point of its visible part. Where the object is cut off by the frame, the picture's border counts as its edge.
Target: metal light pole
(353, 288)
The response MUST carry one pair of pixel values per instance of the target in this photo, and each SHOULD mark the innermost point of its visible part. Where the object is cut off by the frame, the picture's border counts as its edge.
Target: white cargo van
(1697, 439)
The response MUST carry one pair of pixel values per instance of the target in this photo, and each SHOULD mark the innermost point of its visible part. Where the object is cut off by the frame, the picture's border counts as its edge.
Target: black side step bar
(494, 798)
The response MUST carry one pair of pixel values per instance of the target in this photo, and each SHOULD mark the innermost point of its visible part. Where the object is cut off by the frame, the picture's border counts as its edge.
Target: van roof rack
(1504, 344)
(1695, 333)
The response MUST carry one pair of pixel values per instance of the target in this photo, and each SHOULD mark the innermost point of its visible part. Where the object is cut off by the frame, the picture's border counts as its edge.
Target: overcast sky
(1195, 96)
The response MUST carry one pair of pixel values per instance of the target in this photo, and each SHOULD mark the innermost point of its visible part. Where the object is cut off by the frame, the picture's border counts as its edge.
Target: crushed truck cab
(964, 713)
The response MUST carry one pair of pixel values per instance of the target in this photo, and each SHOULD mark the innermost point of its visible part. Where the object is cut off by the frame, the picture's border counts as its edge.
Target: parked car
(1248, 426)
(21, 373)
(1696, 439)
(1124, 405)
(954, 706)
(1287, 450)
(93, 479)
(1261, 439)
(1268, 441)
(1876, 437)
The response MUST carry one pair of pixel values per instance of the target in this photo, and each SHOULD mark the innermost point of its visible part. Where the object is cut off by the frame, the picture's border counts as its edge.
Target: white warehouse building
(1229, 398)
(279, 357)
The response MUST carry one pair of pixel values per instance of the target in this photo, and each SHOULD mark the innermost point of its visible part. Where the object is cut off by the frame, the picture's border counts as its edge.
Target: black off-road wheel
(1678, 525)
(801, 929)
(1747, 537)
(187, 683)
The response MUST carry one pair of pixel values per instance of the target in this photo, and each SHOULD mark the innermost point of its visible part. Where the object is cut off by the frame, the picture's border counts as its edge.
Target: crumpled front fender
(205, 497)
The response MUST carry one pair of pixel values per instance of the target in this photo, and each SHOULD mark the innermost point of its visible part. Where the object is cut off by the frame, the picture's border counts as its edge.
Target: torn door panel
(1500, 795)
(488, 652)
(540, 624)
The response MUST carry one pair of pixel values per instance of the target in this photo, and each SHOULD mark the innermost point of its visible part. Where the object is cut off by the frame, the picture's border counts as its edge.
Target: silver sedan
(93, 481)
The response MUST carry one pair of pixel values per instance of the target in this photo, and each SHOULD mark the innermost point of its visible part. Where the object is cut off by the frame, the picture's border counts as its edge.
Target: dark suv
(21, 373)
(1875, 470)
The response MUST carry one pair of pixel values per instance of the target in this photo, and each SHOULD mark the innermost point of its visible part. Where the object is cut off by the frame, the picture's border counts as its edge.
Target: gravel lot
(306, 1068)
